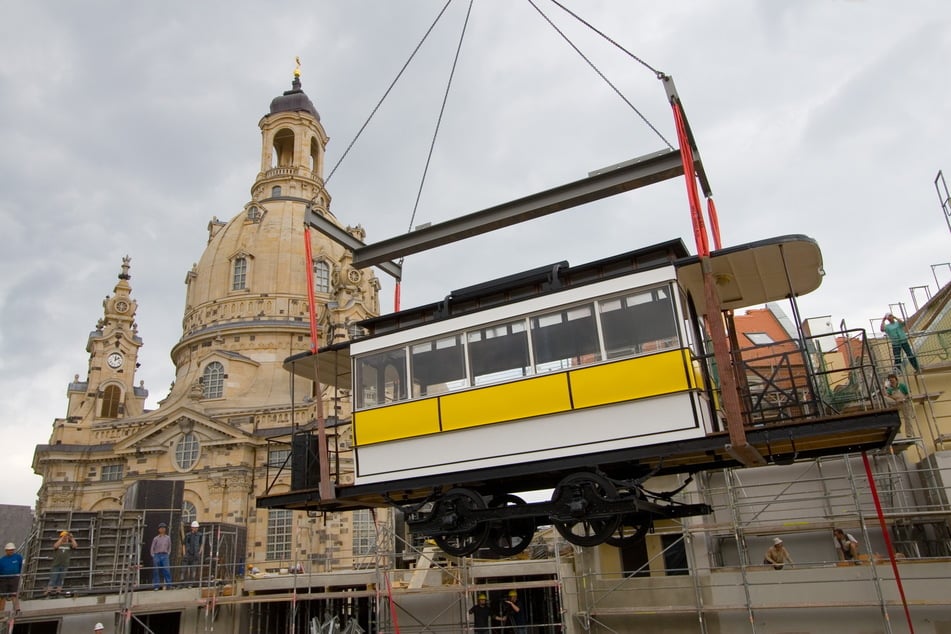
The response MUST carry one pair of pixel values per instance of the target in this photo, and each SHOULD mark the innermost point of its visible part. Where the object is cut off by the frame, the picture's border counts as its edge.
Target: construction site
(700, 574)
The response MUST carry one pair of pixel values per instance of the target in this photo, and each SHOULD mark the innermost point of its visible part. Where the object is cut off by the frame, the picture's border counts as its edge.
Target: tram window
(640, 322)
(381, 378)
(438, 366)
(499, 352)
(565, 339)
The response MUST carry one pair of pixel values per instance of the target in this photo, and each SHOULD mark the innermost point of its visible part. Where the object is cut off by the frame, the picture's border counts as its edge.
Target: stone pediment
(160, 432)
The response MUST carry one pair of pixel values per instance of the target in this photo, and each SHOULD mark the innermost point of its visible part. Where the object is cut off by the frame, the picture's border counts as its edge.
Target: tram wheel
(463, 535)
(509, 537)
(632, 529)
(574, 498)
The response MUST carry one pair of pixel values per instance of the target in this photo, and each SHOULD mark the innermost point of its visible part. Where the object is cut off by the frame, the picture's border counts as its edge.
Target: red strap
(714, 223)
(396, 298)
(693, 197)
(888, 539)
(311, 300)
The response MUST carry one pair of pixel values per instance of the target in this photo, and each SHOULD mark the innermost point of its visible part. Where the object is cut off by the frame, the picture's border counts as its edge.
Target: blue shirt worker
(895, 329)
(11, 564)
(160, 551)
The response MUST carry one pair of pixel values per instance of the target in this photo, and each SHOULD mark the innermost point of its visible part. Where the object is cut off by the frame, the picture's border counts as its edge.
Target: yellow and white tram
(586, 380)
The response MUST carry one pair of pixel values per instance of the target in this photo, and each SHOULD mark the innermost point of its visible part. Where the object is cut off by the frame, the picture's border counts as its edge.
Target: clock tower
(109, 391)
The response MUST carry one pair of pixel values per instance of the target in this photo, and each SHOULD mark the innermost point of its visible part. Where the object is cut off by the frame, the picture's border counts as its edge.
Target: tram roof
(747, 275)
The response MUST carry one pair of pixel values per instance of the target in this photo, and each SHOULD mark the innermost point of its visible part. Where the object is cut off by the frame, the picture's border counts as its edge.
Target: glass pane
(499, 353)
(566, 338)
(380, 378)
(639, 322)
(438, 366)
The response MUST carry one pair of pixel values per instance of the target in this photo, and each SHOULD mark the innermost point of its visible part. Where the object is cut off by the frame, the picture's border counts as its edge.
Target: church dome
(294, 100)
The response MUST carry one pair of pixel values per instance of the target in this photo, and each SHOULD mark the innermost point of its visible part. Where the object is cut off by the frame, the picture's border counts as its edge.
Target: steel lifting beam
(640, 172)
(341, 237)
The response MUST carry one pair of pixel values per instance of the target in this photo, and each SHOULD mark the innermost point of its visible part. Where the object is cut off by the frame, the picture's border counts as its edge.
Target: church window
(277, 458)
(275, 191)
(280, 523)
(213, 380)
(111, 397)
(187, 451)
(239, 280)
(284, 148)
(321, 276)
(364, 533)
(111, 472)
(189, 513)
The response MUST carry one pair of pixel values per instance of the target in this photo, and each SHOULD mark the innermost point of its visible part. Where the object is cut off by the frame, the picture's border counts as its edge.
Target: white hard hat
(777, 541)
(195, 524)
(10, 546)
(99, 626)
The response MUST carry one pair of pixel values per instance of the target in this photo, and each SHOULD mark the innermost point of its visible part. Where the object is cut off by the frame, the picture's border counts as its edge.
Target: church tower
(212, 445)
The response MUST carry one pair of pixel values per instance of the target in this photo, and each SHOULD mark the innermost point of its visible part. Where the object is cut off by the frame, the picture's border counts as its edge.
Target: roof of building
(294, 100)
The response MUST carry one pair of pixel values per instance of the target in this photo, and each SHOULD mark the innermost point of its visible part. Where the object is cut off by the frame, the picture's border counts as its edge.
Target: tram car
(584, 380)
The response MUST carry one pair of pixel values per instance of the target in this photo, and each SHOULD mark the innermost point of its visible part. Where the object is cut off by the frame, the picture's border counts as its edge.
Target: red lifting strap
(693, 196)
(311, 301)
(714, 223)
(396, 297)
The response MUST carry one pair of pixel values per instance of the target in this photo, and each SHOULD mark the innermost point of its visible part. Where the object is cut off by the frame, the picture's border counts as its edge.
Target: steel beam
(645, 170)
(341, 237)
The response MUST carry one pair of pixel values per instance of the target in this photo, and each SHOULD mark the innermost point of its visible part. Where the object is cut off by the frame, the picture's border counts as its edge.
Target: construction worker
(481, 615)
(513, 616)
(11, 565)
(193, 547)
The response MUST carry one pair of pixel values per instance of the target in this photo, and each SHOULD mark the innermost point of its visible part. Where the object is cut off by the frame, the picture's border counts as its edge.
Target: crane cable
(385, 94)
(432, 144)
(598, 71)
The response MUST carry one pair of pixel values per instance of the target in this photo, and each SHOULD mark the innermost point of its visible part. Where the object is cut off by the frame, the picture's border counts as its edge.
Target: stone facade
(246, 310)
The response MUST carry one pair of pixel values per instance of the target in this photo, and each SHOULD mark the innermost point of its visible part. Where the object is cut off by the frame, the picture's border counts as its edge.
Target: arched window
(111, 397)
(321, 276)
(187, 451)
(213, 380)
(189, 513)
(275, 191)
(284, 148)
(314, 154)
(239, 279)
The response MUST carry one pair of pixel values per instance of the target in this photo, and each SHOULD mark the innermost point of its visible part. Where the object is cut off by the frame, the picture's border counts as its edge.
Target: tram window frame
(374, 389)
(438, 365)
(564, 338)
(639, 321)
(499, 352)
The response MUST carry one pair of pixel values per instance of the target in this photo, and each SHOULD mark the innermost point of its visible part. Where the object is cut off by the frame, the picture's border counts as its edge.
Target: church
(221, 436)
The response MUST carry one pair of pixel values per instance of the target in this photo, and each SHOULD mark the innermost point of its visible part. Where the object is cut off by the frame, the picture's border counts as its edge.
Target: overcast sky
(125, 126)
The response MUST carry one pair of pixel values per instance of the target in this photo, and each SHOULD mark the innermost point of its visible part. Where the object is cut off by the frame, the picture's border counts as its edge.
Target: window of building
(759, 338)
(364, 533)
(187, 451)
(189, 513)
(111, 397)
(280, 524)
(277, 458)
(321, 276)
(111, 472)
(239, 278)
(213, 380)
(275, 191)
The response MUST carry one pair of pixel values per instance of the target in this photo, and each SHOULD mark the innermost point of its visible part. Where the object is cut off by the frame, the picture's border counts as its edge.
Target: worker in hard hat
(481, 614)
(63, 549)
(11, 565)
(193, 549)
(513, 614)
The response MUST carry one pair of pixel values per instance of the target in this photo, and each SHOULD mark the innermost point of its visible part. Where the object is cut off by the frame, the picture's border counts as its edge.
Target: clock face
(114, 360)
(122, 306)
